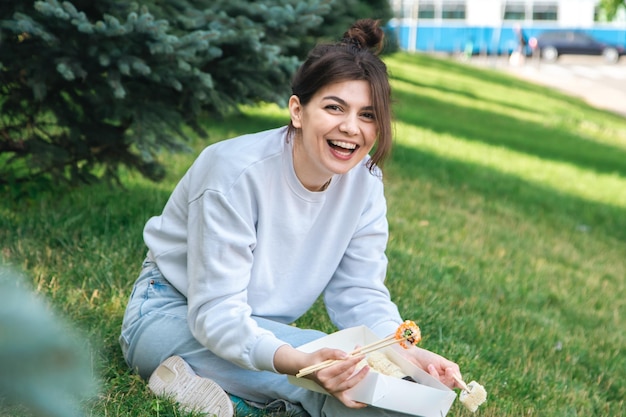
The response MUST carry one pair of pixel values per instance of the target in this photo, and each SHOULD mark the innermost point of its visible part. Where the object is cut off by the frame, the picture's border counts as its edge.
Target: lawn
(507, 212)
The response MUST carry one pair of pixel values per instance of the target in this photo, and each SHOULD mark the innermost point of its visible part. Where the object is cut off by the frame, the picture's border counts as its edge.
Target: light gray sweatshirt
(241, 236)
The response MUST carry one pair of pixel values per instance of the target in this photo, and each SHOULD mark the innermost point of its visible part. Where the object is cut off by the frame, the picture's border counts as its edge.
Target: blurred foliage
(611, 7)
(46, 367)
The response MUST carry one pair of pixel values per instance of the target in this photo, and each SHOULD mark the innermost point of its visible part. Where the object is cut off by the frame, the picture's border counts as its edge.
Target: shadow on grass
(558, 143)
(456, 91)
(529, 199)
(485, 74)
(467, 71)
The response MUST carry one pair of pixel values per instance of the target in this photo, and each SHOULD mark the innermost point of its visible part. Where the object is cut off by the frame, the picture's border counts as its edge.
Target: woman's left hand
(436, 365)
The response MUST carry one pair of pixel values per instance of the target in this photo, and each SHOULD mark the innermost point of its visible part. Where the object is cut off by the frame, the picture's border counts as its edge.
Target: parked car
(551, 45)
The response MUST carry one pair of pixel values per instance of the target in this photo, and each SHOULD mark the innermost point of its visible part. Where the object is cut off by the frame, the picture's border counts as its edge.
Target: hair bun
(365, 34)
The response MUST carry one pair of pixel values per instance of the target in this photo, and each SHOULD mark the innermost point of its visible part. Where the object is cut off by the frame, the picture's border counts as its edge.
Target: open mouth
(345, 148)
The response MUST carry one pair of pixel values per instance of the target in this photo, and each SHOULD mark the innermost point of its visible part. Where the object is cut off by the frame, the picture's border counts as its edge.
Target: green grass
(507, 211)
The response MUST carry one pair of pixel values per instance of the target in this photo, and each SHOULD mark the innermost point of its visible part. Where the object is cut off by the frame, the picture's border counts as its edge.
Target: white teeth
(345, 145)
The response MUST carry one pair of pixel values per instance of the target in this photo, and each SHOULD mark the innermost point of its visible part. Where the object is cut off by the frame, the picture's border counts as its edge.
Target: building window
(545, 11)
(453, 10)
(426, 10)
(514, 11)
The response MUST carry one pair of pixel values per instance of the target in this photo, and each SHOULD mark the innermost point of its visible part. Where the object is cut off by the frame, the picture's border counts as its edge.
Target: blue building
(488, 26)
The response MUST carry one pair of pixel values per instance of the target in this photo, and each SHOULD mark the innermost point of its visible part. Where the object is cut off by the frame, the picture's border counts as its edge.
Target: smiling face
(336, 130)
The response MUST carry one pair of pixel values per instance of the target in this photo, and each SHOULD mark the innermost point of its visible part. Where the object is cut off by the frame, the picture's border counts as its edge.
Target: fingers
(449, 376)
(327, 353)
(453, 375)
(432, 370)
(341, 377)
(351, 404)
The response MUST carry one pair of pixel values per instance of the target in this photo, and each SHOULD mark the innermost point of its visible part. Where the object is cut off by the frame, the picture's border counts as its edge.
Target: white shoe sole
(175, 379)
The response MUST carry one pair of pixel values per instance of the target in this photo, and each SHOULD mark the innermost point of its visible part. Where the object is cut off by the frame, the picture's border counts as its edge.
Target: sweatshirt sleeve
(357, 295)
(221, 241)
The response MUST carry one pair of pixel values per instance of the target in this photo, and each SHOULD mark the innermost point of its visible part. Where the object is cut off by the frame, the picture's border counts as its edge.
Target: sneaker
(175, 379)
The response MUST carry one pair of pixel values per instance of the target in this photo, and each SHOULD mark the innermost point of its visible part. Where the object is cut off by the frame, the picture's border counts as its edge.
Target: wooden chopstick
(376, 345)
(363, 350)
(462, 383)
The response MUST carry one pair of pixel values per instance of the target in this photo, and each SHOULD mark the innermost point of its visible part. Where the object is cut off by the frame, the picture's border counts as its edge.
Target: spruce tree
(89, 85)
(345, 12)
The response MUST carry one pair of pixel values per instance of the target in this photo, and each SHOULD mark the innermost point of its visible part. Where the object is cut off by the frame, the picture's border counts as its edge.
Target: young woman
(260, 226)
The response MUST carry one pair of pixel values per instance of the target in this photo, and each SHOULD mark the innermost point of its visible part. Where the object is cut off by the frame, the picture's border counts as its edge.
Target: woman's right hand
(336, 379)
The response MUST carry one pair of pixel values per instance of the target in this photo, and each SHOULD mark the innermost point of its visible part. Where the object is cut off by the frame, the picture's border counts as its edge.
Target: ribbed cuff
(264, 351)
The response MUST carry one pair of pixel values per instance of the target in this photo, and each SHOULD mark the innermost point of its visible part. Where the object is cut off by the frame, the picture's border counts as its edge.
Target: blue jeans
(155, 327)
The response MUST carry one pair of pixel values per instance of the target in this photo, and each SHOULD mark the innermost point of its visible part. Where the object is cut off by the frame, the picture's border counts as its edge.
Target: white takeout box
(426, 398)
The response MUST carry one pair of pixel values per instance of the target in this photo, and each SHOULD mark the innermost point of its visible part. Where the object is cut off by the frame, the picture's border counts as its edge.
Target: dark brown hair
(355, 57)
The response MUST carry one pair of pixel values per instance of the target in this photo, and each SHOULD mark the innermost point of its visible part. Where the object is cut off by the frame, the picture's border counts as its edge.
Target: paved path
(601, 85)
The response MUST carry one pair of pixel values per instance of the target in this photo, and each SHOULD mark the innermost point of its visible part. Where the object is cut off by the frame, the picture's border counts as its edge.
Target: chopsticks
(462, 383)
(363, 350)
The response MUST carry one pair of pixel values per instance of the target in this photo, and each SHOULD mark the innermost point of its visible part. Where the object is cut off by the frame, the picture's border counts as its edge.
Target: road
(600, 84)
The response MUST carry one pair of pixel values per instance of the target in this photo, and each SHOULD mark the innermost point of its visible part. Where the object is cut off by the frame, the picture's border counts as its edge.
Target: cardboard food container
(426, 398)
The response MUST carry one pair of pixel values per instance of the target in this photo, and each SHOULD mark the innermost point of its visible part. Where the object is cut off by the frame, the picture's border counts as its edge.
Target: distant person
(519, 54)
(257, 229)
(521, 38)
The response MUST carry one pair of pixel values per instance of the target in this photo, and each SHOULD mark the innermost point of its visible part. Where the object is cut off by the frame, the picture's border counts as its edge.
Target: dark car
(551, 45)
